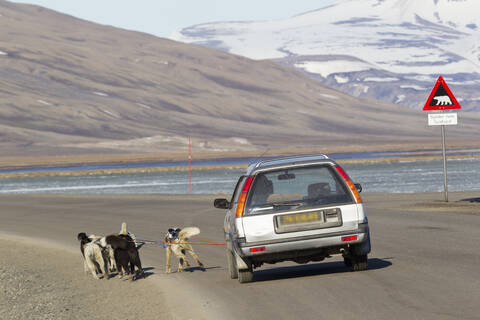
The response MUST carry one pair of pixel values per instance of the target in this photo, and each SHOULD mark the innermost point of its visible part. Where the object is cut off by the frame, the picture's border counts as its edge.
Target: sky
(163, 17)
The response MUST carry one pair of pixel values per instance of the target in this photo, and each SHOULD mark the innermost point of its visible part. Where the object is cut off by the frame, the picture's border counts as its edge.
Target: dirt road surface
(424, 263)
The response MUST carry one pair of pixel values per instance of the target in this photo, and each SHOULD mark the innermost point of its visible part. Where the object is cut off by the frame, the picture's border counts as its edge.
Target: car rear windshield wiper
(286, 204)
(270, 206)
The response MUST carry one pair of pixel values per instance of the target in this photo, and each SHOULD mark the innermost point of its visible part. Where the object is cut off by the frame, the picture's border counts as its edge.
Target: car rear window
(292, 188)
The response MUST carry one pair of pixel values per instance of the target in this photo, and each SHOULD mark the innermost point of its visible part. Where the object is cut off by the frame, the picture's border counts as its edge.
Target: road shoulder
(42, 281)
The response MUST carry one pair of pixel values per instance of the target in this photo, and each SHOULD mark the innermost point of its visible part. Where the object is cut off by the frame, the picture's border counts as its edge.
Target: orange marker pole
(189, 166)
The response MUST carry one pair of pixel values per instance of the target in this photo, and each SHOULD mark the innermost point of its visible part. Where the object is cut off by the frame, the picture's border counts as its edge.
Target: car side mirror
(358, 186)
(221, 204)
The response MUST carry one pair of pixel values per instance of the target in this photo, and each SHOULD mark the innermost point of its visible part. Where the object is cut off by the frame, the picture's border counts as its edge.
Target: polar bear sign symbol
(441, 98)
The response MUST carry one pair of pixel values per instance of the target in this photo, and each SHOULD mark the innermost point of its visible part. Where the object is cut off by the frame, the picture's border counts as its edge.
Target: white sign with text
(442, 119)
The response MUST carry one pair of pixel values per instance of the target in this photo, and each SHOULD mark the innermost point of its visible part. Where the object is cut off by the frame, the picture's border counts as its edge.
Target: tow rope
(203, 241)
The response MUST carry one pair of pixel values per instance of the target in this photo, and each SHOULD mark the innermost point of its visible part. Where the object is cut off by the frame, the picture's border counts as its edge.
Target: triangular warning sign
(441, 98)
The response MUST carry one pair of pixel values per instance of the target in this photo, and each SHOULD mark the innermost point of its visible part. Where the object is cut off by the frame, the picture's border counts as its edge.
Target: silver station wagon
(300, 209)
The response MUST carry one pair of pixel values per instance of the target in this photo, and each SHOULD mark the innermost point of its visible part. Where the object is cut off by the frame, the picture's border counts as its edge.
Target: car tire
(360, 263)
(245, 276)
(232, 268)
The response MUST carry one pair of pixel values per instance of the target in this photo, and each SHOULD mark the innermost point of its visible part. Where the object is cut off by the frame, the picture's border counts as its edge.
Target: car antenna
(264, 153)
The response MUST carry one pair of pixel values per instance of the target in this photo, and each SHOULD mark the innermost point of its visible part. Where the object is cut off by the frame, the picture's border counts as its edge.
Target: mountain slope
(391, 50)
(69, 86)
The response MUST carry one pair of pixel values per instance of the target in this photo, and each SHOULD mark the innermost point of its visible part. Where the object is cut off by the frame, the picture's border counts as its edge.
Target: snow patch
(44, 102)
(340, 79)
(101, 94)
(425, 78)
(110, 113)
(468, 82)
(400, 98)
(303, 111)
(329, 96)
(143, 105)
(362, 87)
(413, 86)
(240, 141)
(326, 68)
(373, 79)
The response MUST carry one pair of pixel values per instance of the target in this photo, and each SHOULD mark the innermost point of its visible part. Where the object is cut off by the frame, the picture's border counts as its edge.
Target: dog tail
(133, 236)
(188, 232)
(93, 237)
(124, 228)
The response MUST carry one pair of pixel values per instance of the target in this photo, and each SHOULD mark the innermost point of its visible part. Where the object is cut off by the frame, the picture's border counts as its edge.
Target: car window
(238, 188)
(303, 187)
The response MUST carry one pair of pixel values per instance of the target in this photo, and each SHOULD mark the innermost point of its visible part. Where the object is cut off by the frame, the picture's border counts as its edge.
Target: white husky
(175, 241)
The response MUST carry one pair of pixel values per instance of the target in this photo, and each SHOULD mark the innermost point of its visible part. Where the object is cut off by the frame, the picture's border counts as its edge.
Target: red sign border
(428, 107)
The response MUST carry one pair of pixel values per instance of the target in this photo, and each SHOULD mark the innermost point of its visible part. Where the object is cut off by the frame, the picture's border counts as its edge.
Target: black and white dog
(95, 257)
(176, 241)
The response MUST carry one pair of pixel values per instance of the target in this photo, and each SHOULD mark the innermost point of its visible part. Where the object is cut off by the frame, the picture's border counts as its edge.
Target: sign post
(189, 166)
(441, 99)
(444, 153)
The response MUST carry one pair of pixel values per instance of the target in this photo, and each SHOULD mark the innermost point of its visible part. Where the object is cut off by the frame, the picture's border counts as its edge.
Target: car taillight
(349, 238)
(258, 249)
(243, 197)
(349, 183)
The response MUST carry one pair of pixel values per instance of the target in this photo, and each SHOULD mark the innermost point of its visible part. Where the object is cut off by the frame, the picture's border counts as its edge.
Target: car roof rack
(290, 158)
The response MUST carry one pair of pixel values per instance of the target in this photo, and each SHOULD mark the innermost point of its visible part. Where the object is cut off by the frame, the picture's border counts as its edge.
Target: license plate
(308, 220)
(300, 218)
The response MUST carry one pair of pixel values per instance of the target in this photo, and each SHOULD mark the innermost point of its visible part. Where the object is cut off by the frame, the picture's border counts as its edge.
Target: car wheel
(232, 269)
(360, 263)
(245, 276)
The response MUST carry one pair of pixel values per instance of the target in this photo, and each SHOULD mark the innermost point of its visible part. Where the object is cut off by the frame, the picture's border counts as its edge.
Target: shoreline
(198, 155)
(402, 157)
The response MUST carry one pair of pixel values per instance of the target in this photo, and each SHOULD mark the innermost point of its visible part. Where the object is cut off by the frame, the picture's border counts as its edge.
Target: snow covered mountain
(392, 50)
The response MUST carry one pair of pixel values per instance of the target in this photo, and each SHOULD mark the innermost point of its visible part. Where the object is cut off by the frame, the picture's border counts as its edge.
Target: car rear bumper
(337, 239)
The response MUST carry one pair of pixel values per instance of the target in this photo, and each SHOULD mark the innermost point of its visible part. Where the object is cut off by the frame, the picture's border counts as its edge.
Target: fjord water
(397, 177)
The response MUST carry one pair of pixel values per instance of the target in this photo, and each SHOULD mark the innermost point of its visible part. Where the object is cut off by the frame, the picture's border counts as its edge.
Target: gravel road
(423, 264)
